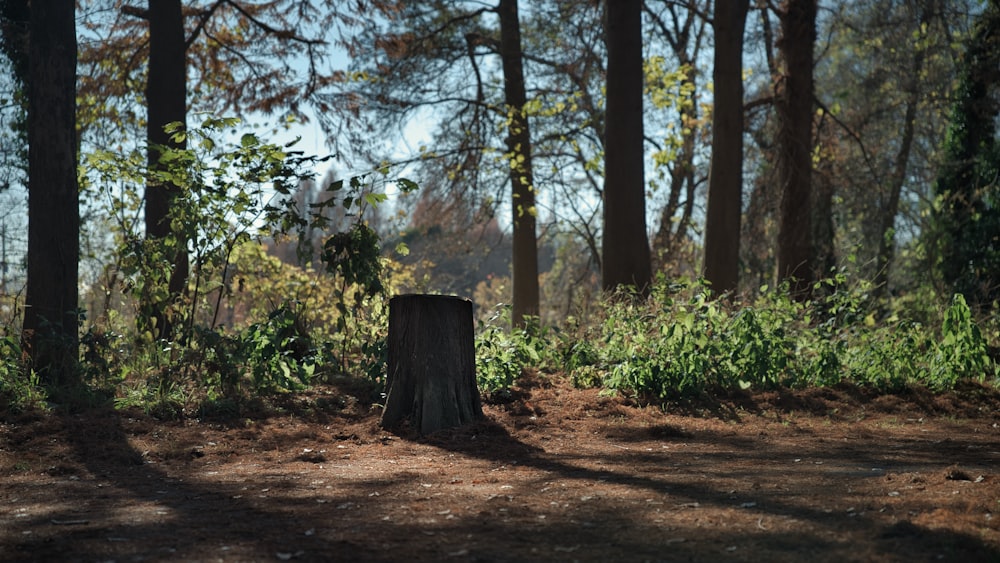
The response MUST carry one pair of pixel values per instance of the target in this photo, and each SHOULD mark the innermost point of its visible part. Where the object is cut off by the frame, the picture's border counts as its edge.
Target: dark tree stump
(431, 371)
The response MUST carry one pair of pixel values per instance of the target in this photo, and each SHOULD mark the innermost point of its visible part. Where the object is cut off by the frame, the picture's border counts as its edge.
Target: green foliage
(248, 323)
(156, 396)
(18, 390)
(226, 194)
(279, 353)
(683, 342)
(759, 350)
(355, 255)
(965, 236)
(671, 88)
(501, 353)
(961, 352)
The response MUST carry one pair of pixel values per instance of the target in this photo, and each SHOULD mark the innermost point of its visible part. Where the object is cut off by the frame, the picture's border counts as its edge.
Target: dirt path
(556, 474)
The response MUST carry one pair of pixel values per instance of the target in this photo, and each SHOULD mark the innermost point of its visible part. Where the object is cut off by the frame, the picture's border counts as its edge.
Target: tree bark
(431, 364)
(525, 241)
(794, 105)
(166, 98)
(625, 248)
(824, 230)
(725, 187)
(50, 335)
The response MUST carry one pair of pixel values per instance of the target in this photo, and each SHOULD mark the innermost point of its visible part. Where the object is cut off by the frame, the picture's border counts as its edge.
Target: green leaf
(374, 199)
(406, 185)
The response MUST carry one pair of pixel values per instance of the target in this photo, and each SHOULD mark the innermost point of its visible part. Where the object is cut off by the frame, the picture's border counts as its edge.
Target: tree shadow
(491, 441)
(185, 519)
(123, 507)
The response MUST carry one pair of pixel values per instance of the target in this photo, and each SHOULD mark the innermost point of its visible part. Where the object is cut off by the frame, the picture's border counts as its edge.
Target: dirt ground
(552, 474)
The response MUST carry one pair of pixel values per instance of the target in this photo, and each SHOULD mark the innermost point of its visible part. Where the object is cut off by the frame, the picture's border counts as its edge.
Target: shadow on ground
(648, 488)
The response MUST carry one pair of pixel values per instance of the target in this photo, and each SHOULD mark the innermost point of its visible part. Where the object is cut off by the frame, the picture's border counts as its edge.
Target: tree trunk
(725, 188)
(824, 230)
(166, 98)
(50, 334)
(431, 365)
(625, 248)
(794, 105)
(525, 241)
(890, 205)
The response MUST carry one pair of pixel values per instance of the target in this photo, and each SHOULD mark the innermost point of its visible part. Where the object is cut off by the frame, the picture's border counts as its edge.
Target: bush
(502, 353)
(681, 341)
(19, 391)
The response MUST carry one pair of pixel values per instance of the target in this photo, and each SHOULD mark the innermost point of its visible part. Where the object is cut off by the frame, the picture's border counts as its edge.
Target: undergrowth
(683, 341)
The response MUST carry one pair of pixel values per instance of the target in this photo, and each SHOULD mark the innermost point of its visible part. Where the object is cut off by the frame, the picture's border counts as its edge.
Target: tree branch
(135, 12)
(758, 102)
(203, 18)
(281, 33)
(851, 133)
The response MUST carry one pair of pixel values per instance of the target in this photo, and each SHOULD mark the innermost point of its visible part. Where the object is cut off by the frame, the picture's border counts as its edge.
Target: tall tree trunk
(625, 248)
(50, 332)
(166, 96)
(824, 231)
(794, 105)
(725, 188)
(525, 242)
(890, 208)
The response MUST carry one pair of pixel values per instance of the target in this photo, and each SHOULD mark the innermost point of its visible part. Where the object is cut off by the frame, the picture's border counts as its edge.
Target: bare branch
(135, 11)
(758, 102)
(852, 134)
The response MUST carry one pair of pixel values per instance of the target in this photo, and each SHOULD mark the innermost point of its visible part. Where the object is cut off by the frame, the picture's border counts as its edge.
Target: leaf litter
(801, 475)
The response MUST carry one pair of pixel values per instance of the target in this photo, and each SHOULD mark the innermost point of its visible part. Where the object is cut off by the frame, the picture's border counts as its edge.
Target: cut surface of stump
(431, 365)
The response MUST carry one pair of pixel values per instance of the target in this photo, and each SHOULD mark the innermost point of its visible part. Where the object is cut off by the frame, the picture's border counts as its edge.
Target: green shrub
(961, 351)
(279, 353)
(18, 390)
(681, 341)
(502, 353)
(759, 351)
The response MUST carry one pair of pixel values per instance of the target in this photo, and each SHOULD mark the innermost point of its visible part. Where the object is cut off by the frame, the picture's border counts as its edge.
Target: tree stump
(431, 370)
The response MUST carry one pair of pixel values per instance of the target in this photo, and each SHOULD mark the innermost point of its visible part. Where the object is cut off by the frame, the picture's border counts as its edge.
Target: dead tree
(431, 365)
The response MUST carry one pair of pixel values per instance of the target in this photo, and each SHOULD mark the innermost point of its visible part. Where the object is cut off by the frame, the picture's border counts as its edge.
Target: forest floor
(552, 474)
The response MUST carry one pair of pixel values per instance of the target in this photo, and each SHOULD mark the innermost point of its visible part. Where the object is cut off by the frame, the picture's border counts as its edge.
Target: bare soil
(553, 474)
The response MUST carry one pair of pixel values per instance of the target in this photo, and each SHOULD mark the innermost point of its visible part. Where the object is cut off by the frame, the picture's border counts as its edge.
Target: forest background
(835, 219)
